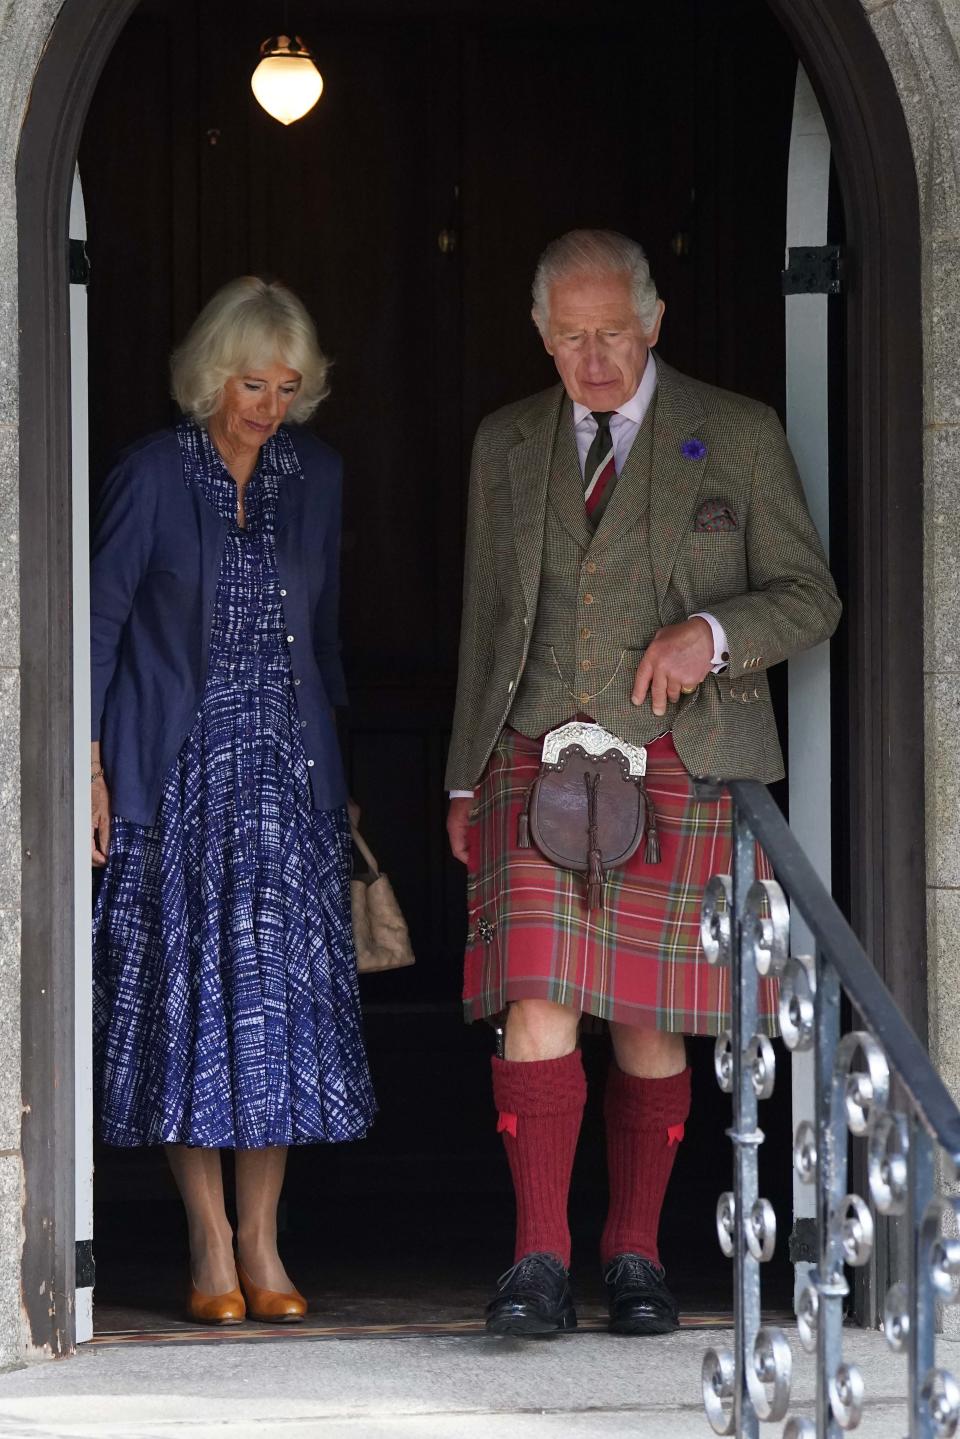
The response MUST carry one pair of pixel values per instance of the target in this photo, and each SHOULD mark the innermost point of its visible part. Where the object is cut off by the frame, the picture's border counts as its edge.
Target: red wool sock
(645, 1119)
(540, 1106)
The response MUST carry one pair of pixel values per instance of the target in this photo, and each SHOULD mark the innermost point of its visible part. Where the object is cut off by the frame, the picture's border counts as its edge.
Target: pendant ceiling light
(287, 83)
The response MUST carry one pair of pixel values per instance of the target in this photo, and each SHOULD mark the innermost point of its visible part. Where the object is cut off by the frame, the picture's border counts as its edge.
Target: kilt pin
(700, 512)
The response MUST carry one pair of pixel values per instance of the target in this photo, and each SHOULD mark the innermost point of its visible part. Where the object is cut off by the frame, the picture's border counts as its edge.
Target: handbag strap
(365, 850)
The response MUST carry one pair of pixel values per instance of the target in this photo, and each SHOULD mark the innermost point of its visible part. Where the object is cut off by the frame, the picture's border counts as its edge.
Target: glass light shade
(286, 82)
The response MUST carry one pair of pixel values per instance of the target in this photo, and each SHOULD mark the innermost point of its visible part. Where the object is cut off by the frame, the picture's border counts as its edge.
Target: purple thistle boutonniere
(693, 449)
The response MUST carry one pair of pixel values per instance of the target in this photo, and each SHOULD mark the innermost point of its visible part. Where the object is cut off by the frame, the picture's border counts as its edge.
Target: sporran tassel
(653, 835)
(594, 881)
(523, 827)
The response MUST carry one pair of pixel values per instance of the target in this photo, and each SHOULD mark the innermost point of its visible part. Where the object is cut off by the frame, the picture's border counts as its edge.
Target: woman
(226, 1010)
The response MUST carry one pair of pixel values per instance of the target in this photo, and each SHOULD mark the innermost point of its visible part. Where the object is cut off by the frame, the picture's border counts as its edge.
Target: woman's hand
(100, 821)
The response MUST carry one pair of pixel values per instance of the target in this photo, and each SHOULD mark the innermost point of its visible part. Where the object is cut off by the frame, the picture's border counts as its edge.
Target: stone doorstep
(594, 1385)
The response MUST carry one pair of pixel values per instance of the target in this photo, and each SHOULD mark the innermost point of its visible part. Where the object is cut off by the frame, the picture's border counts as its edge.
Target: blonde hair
(249, 322)
(594, 252)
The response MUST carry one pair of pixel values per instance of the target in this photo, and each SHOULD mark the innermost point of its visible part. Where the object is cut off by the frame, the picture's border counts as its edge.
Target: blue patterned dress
(226, 1007)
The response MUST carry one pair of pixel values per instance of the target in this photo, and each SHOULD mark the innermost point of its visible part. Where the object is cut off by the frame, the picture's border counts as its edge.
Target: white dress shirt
(625, 425)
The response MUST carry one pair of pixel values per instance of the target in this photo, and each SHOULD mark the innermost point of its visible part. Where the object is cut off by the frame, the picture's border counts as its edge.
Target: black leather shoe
(640, 1302)
(532, 1298)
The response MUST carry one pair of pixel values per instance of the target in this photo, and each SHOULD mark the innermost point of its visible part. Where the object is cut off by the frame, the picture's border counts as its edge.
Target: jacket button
(296, 682)
(590, 567)
(284, 593)
(584, 699)
(585, 634)
(309, 764)
(585, 664)
(303, 724)
(588, 599)
(289, 639)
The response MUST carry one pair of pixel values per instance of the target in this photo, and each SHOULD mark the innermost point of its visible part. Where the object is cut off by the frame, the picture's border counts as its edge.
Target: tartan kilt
(636, 961)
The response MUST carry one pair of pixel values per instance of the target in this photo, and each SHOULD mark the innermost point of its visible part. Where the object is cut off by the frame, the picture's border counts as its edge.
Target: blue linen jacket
(154, 570)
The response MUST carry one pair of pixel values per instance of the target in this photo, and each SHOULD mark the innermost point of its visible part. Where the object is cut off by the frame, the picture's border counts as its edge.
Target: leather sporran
(380, 933)
(588, 808)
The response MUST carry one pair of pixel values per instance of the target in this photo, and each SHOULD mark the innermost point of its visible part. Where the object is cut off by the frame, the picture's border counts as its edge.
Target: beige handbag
(380, 932)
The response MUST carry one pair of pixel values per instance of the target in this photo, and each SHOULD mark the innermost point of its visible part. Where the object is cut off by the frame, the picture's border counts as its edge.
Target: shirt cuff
(461, 794)
(721, 655)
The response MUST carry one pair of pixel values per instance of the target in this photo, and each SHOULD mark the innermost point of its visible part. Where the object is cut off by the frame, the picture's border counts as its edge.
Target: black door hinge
(86, 1269)
(79, 263)
(813, 270)
(804, 1242)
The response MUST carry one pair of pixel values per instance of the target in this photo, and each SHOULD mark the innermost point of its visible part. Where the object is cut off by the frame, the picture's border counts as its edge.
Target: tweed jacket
(759, 569)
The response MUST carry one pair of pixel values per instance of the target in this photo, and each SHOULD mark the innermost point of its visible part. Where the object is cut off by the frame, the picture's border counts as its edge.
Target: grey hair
(594, 252)
(248, 323)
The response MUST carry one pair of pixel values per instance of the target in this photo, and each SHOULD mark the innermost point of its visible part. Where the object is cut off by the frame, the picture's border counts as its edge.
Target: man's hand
(458, 823)
(677, 659)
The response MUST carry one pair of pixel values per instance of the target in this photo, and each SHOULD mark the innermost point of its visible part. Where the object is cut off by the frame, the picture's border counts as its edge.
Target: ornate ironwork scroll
(745, 926)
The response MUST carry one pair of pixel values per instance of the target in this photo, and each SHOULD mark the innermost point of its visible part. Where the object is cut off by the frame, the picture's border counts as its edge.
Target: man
(639, 554)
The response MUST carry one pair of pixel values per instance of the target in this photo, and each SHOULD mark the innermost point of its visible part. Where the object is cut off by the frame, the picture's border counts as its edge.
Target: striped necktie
(599, 470)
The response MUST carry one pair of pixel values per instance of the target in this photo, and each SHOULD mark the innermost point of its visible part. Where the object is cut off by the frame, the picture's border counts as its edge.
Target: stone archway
(53, 54)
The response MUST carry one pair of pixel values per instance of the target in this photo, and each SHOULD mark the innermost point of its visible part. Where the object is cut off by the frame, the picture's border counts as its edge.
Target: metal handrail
(746, 927)
(905, 1052)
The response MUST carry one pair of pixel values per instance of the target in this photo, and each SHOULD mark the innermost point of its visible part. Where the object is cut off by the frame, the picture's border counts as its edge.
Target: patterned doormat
(314, 1328)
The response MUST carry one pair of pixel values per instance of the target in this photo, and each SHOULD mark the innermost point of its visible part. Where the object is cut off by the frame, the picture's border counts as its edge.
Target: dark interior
(452, 141)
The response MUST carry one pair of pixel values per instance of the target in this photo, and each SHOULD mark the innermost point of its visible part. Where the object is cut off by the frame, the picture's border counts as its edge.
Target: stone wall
(920, 40)
(24, 25)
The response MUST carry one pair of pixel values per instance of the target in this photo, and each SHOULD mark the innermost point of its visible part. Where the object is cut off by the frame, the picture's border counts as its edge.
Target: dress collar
(277, 457)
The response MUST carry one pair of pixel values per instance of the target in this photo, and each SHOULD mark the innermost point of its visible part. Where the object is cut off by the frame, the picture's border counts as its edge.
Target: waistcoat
(597, 606)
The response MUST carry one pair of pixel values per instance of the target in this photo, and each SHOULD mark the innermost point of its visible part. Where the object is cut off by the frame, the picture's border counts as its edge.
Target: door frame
(884, 761)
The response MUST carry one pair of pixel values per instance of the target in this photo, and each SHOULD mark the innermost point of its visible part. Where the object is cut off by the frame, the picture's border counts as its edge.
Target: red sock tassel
(540, 1107)
(645, 1124)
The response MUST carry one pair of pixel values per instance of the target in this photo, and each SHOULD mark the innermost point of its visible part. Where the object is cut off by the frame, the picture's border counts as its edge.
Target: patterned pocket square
(715, 515)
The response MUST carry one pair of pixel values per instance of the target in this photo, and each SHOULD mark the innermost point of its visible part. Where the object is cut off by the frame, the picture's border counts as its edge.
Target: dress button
(584, 699)
(284, 593)
(588, 599)
(309, 764)
(590, 567)
(296, 682)
(585, 634)
(289, 639)
(303, 724)
(585, 664)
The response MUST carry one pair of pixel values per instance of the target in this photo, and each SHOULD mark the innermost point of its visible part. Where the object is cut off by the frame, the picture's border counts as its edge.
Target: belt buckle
(593, 739)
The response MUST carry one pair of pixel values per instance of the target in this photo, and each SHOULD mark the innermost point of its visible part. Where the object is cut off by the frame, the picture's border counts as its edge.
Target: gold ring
(688, 689)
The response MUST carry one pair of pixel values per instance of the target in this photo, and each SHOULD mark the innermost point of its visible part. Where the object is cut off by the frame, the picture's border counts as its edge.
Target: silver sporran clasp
(593, 739)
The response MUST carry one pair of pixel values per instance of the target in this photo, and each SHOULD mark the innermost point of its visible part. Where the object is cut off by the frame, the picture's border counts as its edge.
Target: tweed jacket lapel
(675, 480)
(566, 480)
(528, 464)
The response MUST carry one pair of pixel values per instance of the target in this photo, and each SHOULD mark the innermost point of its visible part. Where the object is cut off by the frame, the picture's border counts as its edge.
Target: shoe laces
(536, 1271)
(634, 1269)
